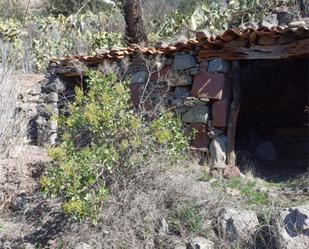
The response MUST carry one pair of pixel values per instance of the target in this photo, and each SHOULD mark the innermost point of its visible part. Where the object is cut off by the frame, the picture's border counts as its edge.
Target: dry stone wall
(198, 91)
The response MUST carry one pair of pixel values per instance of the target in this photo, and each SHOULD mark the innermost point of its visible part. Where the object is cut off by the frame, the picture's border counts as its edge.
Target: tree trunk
(234, 109)
(135, 30)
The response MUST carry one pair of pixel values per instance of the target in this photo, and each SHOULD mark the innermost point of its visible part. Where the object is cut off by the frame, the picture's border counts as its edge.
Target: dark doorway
(272, 130)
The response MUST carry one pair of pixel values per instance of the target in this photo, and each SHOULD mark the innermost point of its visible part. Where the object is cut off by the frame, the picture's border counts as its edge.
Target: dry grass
(136, 208)
(13, 122)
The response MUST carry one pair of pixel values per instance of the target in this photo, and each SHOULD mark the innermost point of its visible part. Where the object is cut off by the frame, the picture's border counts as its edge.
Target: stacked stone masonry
(198, 91)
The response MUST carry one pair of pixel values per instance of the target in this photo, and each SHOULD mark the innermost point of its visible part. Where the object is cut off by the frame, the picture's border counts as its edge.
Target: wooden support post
(233, 113)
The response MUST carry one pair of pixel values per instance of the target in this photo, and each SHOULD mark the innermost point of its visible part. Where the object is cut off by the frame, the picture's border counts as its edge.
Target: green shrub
(68, 7)
(187, 219)
(249, 190)
(217, 15)
(13, 9)
(40, 38)
(205, 176)
(104, 137)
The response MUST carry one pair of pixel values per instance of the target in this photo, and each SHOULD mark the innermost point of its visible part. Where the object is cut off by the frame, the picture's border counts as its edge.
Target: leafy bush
(68, 7)
(104, 137)
(217, 15)
(12, 9)
(40, 38)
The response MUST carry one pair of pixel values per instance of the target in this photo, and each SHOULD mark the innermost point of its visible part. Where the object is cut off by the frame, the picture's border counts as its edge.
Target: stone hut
(226, 86)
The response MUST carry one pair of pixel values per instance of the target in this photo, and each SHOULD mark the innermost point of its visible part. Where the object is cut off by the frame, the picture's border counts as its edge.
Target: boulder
(237, 225)
(266, 151)
(293, 228)
(200, 243)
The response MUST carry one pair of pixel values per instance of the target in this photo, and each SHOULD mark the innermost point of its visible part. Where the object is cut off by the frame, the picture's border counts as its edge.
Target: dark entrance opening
(272, 129)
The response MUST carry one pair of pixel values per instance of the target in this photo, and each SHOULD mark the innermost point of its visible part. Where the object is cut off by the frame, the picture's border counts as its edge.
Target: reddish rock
(231, 171)
(135, 93)
(220, 113)
(208, 85)
(204, 65)
(200, 140)
(161, 74)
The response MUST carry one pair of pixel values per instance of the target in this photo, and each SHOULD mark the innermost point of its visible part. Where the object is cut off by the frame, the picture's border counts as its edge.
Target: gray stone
(266, 151)
(284, 17)
(182, 62)
(238, 225)
(29, 246)
(164, 229)
(177, 243)
(194, 71)
(200, 243)
(140, 77)
(269, 21)
(249, 25)
(169, 61)
(52, 125)
(83, 246)
(197, 114)
(272, 19)
(52, 97)
(218, 65)
(293, 228)
(161, 44)
(182, 40)
(181, 92)
(213, 132)
(47, 110)
(176, 79)
(54, 84)
(218, 150)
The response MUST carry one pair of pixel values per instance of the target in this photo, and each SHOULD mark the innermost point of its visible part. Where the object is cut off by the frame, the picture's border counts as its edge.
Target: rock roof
(249, 41)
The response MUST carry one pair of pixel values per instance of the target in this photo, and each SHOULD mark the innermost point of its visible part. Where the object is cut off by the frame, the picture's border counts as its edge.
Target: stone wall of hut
(198, 91)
